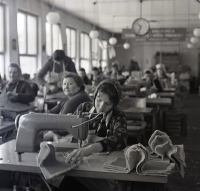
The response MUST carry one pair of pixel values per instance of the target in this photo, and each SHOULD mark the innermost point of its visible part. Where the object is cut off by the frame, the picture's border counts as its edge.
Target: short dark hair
(59, 55)
(95, 69)
(82, 69)
(14, 65)
(110, 91)
(76, 78)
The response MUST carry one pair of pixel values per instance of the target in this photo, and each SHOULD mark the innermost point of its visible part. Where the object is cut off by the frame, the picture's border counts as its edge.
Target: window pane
(1, 30)
(21, 29)
(28, 65)
(2, 65)
(95, 63)
(94, 48)
(32, 34)
(104, 52)
(57, 40)
(87, 47)
(73, 43)
(85, 64)
(48, 39)
(68, 42)
(103, 64)
(82, 45)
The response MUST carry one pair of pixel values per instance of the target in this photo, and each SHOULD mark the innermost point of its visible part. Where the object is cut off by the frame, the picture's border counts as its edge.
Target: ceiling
(115, 15)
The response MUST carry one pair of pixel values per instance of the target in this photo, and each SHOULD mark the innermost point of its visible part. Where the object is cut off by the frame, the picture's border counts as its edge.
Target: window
(95, 49)
(85, 52)
(104, 57)
(71, 43)
(53, 38)
(2, 42)
(27, 28)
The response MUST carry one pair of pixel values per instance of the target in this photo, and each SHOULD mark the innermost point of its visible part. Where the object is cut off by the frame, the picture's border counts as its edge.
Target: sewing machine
(31, 127)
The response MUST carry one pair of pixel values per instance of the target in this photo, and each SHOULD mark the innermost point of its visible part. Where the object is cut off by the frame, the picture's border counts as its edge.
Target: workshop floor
(191, 142)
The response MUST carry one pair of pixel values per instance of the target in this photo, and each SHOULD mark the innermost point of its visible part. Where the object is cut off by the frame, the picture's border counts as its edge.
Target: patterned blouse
(113, 128)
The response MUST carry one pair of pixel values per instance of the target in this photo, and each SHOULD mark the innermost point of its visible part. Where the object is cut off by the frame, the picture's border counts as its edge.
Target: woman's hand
(12, 96)
(77, 155)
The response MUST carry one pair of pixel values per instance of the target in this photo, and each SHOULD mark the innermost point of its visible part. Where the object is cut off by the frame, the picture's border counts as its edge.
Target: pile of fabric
(154, 162)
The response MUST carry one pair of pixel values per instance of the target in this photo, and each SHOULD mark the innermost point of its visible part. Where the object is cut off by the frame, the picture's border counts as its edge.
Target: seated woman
(18, 90)
(73, 88)
(107, 132)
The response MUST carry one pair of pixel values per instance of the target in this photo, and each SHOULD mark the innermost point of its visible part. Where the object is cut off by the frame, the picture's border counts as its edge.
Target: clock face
(140, 27)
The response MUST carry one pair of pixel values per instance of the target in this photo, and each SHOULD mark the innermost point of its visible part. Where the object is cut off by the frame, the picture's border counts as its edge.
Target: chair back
(132, 102)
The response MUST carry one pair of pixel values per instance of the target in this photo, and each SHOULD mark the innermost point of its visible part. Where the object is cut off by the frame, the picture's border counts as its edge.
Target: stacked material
(137, 157)
(155, 163)
(162, 146)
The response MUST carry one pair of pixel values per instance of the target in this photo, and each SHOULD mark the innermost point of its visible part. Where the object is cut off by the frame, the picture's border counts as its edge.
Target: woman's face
(103, 103)
(70, 88)
(159, 72)
(14, 74)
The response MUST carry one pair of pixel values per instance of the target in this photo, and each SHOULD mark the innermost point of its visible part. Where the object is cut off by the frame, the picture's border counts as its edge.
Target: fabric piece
(137, 157)
(162, 146)
(50, 166)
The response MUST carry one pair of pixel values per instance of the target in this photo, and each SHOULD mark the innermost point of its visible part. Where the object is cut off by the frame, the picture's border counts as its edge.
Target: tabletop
(138, 110)
(6, 126)
(159, 101)
(166, 94)
(90, 167)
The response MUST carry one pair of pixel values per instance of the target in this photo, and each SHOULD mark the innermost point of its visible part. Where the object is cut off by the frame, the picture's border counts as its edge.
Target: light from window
(29, 68)
(1, 65)
(2, 29)
(85, 52)
(71, 42)
(104, 51)
(2, 48)
(53, 38)
(85, 64)
(32, 34)
(27, 39)
(21, 29)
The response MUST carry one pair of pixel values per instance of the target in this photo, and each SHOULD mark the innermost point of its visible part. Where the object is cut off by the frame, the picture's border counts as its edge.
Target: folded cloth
(137, 157)
(162, 146)
(52, 165)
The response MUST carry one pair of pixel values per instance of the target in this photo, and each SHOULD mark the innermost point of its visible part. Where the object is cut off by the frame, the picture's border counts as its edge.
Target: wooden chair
(175, 122)
(136, 124)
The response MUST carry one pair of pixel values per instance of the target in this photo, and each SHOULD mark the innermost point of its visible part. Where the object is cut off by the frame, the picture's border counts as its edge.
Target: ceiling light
(113, 41)
(189, 45)
(53, 17)
(126, 45)
(94, 34)
(196, 32)
(194, 40)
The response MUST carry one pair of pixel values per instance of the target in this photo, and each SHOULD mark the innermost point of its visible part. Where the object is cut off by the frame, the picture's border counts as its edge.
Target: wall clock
(140, 27)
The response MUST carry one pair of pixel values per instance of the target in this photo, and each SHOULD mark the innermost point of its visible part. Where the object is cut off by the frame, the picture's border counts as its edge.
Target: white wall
(40, 9)
(145, 53)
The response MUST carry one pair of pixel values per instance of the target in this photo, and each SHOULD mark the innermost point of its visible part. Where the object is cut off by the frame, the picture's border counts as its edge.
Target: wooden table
(91, 167)
(167, 95)
(159, 104)
(6, 126)
(169, 89)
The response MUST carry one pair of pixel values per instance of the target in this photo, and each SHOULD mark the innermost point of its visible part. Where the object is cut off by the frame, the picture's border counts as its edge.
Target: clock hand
(139, 28)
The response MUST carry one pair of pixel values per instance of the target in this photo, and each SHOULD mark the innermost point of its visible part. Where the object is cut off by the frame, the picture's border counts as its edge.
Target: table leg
(147, 186)
(122, 185)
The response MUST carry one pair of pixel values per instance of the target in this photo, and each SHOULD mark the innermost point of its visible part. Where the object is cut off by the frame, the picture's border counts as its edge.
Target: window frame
(51, 26)
(31, 55)
(96, 53)
(75, 30)
(4, 38)
(103, 40)
(83, 58)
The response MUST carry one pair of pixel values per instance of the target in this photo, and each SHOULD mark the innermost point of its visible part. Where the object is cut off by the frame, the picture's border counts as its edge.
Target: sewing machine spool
(31, 127)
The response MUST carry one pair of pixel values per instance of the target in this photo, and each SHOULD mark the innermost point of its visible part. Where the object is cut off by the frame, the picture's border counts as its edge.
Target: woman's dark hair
(78, 80)
(110, 91)
(59, 55)
(14, 65)
(82, 69)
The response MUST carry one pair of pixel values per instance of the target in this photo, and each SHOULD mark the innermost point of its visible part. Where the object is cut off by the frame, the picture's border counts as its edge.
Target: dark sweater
(48, 66)
(69, 105)
(24, 91)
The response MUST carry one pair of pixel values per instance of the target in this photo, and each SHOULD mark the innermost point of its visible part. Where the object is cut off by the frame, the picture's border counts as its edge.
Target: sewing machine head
(31, 127)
